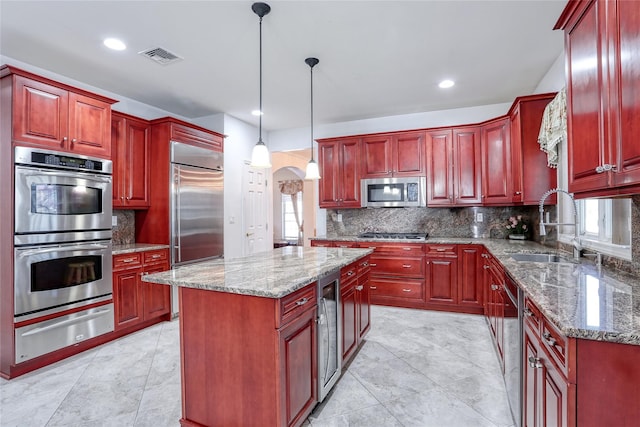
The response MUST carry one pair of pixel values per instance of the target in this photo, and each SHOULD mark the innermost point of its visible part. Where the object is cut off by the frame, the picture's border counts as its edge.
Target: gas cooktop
(406, 236)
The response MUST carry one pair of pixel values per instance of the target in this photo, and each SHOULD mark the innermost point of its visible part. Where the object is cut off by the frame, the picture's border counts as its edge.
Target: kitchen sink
(539, 258)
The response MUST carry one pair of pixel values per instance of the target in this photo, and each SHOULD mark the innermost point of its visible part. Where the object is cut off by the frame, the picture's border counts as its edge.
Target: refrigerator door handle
(176, 215)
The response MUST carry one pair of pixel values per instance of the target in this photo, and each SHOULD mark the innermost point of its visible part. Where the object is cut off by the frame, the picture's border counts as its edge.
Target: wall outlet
(232, 220)
(339, 218)
(114, 221)
(479, 217)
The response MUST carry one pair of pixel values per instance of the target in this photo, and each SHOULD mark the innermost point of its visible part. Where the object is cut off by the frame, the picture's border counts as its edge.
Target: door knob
(249, 234)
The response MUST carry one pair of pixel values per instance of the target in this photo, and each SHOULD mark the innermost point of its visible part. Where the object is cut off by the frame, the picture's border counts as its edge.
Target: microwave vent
(161, 56)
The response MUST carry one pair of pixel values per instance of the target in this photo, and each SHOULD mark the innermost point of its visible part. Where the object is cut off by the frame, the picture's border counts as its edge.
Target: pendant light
(312, 167)
(260, 157)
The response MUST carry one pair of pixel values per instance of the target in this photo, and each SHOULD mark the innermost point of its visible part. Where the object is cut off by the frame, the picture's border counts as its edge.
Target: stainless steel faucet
(577, 247)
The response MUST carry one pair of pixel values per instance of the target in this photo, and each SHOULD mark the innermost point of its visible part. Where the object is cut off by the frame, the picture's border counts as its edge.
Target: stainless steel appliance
(401, 236)
(62, 250)
(513, 342)
(393, 192)
(58, 192)
(329, 334)
(196, 206)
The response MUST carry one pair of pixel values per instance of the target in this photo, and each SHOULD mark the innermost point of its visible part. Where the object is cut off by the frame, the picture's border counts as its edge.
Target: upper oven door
(56, 200)
(55, 277)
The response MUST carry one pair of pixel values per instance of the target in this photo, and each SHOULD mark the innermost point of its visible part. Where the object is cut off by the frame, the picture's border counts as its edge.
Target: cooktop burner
(406, 236)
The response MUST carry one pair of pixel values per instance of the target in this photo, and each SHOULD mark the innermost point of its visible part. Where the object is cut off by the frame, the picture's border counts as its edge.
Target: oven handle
(91, 177)
(66, 322)
(29, 252)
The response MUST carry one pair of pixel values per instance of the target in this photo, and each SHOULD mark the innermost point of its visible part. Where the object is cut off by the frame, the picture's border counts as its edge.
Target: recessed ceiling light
(114, 44)
(257, 113)
(445, 84)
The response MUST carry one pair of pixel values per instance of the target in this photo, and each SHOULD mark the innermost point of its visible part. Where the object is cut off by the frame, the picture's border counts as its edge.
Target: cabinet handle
(494, 287)
(156, 256)
(350, 273)
(549, 339)
(122, 198)
(406, 290)
(407, 249)
(527, 312)
(534, 362)
(65, 139)
(441, 249)
(359, 287)
(517, 193)
(74, 140)
(303, 301)
(486, 267)
(484, 256)
(364, 264)
(129, 259)
(406, 265)
(373, 288)
(605, 168)
(373, 264)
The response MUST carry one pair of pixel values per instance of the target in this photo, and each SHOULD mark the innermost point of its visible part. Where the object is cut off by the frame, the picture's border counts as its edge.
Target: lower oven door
(55, 200)
(49, 335)
(58, 277)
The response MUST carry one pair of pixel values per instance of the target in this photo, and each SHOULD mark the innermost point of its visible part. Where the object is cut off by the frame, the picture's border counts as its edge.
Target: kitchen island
(248, 335)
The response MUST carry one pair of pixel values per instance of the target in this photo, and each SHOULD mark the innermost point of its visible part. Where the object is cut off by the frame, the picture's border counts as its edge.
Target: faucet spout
(577, 246)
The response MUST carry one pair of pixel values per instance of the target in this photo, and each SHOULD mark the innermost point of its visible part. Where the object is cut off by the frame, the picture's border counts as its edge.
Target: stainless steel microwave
(393, 192)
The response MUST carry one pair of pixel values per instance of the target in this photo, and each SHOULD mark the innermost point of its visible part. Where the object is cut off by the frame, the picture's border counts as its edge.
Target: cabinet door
(40, 114)
(157, 298)
(298, 367)
(467, 166)
(497, 185)
(441, 280)
(127, 298)
(408, 154)
(349, 182)
(376, 157)
(439, 160)
(89, 126)
(626, 85)
(531, 385)
(329, 165)
(585, 121)
(118, 142)
(364, 306)
(350, 333)
(469, 285)
(136, 189)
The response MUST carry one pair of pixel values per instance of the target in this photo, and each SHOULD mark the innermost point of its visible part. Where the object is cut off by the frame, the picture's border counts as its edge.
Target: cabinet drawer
(364, 266)
(322, 244)
(411, 289)
(532, 316)
(155, 256)
(124, 261)
(348, 272)
(555, 344)
(436, 250)
(340, 244)
(296, 303)
(394, 248)
(397, 266)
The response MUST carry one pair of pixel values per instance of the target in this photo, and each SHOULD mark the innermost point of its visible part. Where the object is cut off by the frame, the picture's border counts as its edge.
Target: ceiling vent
(161, 56)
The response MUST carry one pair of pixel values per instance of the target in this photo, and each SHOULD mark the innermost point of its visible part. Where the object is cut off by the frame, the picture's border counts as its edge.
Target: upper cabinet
(393, 155)
(57, 117)
(497, 184)
(130, 139)
(339, 163)
(603, 96)
(453, 167)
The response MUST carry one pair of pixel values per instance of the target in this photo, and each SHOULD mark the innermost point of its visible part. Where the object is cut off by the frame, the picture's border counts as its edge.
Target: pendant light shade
(313, 171)
(260, 157)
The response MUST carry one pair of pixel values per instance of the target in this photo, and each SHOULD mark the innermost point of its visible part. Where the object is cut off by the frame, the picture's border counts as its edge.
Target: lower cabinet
(356, 307)
(135, 301)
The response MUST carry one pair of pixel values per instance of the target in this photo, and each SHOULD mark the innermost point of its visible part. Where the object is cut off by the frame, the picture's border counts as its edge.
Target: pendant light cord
(312, 113)
(260, 115)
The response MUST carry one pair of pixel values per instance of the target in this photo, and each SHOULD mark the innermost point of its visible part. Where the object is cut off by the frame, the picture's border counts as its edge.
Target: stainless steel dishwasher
(329, 333)
(513, 342)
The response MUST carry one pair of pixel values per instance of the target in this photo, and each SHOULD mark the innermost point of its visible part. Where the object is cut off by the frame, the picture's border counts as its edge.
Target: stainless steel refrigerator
(197, 211)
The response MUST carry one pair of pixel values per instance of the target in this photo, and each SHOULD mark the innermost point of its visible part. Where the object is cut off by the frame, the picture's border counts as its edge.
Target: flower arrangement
(517, 225)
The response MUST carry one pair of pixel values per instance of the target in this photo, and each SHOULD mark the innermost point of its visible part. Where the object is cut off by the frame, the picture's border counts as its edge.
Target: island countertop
(271, 274)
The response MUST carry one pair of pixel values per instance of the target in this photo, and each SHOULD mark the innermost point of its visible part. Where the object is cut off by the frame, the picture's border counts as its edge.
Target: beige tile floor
(416, 368)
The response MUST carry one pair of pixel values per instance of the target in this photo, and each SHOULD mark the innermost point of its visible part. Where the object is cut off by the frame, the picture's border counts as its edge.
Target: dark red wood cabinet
(55, 116)
(497, 179)
(356, 307)
(137, 303)
(393, 155)
(441, 278)
(130, 139)
(339, 164)
(603, 96)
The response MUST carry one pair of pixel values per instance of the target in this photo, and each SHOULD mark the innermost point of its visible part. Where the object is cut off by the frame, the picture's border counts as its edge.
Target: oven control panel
(60, 160)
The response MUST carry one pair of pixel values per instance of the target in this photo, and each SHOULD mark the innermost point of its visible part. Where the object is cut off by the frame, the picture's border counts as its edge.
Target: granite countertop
(581, 300)
(271, 274)
(136, 247)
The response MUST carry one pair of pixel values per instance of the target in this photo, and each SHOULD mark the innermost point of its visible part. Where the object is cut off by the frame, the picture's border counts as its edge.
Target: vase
(517, 236)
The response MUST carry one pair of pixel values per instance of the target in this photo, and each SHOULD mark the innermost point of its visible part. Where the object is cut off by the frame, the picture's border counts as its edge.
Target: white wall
(554, 79)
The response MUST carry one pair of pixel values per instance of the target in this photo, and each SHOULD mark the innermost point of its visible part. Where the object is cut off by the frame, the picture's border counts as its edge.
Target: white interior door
(255, 210)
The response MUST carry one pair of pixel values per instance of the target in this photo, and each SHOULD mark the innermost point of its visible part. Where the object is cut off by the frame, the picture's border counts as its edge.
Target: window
(289, 224)
(604, 224)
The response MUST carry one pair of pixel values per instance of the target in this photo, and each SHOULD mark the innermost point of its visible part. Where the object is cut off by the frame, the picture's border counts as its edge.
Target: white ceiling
(377, 58)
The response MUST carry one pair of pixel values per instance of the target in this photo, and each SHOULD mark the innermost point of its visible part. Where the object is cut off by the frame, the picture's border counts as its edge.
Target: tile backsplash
(125, 232)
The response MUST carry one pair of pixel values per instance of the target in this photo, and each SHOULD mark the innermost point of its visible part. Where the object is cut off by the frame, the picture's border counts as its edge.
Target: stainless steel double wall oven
(62, 250)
